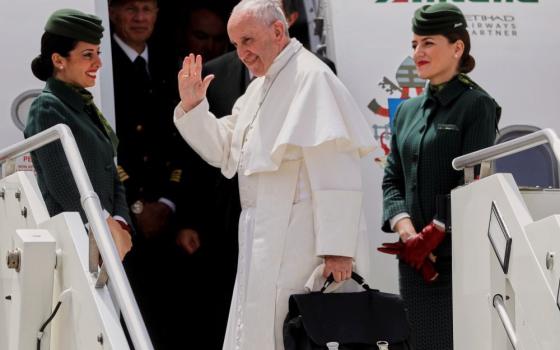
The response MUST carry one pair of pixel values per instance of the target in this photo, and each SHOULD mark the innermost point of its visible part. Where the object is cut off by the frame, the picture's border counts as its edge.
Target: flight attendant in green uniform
(69, 63)
(454, 117)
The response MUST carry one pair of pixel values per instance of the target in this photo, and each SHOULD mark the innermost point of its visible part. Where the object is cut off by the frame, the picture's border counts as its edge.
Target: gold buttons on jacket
(176, 175)
(123, 176)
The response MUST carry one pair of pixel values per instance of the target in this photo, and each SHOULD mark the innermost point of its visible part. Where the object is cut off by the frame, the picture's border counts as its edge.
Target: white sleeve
(336, 191)
(209, 136)
(393, 221)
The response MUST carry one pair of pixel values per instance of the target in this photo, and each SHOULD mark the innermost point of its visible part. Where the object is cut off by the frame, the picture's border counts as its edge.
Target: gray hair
(265, 11)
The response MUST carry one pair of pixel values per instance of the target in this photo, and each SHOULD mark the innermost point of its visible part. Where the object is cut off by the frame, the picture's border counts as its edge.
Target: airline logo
(500, 27)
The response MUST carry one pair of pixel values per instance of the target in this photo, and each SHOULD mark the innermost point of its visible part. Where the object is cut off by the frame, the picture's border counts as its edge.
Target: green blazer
(428, 132)
(59, 103)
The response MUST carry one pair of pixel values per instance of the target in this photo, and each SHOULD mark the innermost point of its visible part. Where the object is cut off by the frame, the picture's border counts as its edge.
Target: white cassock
(295, 138)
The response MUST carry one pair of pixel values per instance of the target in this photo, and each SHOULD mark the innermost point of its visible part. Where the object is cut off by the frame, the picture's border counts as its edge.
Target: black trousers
(168, 285)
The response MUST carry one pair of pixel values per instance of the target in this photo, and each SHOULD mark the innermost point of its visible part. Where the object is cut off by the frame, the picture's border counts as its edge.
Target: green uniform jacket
(428, 132)
(59, 103)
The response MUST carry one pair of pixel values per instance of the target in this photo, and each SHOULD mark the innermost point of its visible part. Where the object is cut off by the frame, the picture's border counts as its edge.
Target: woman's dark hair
(42, 66)
(467, 62)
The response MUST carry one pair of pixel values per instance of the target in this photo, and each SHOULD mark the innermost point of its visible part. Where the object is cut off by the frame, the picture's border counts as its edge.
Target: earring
(456, 56)
(62, 67)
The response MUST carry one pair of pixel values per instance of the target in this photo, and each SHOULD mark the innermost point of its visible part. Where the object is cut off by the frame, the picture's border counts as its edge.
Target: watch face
(137, 207)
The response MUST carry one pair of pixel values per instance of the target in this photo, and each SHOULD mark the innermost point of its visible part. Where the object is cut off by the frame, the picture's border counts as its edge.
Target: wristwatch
(137, 207)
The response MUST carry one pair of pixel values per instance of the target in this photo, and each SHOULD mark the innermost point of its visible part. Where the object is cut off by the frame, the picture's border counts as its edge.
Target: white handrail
(509, 147)
(92, 208)
(498, 303)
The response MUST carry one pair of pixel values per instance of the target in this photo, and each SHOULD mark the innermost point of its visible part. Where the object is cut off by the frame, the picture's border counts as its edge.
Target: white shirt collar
(129, 51)
(283, 57)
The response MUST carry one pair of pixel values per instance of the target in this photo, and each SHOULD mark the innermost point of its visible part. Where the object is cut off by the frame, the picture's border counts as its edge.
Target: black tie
(141, 69)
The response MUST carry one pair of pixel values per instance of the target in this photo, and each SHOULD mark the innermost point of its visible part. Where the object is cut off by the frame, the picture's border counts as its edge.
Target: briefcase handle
(357, 278)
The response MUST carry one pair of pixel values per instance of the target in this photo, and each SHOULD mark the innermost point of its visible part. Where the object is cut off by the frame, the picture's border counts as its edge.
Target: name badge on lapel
(447, 127)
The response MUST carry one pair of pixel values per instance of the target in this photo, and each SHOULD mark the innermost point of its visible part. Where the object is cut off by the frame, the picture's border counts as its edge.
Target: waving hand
(192, 88)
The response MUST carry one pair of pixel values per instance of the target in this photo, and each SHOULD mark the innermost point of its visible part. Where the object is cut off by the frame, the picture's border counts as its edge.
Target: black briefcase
(356, 321)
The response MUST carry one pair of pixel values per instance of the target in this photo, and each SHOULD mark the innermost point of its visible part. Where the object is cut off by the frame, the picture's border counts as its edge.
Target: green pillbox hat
(76, 25)
(441, 18)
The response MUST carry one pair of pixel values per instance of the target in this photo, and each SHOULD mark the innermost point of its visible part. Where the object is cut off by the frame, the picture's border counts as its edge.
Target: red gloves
(427, 269)
(416, 249)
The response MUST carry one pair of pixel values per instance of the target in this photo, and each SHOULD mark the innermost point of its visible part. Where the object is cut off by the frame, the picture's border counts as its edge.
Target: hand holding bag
(356, 321)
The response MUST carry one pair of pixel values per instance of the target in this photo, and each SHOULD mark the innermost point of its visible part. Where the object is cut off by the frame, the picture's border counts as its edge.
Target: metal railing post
(92, 208)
